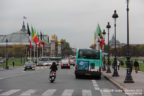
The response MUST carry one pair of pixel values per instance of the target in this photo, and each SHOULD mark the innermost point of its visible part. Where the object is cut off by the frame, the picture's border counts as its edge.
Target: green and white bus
(88, 63)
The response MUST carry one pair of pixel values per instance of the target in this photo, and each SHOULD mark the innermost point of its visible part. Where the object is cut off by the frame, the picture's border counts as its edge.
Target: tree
(66, 49)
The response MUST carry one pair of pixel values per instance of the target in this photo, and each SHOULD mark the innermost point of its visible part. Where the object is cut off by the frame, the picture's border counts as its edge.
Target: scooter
(52, 76)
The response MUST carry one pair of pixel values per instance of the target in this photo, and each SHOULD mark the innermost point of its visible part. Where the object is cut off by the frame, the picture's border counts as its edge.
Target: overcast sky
(74, 20)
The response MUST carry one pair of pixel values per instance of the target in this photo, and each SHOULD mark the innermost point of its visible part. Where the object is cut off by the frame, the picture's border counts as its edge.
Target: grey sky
(73, 20)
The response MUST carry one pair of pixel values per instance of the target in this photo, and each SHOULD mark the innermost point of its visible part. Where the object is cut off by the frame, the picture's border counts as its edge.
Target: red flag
(102, 43)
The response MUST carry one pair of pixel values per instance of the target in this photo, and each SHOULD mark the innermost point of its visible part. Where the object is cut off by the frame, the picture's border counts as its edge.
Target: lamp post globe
(115, 72)
(128, 78)
(108, 63)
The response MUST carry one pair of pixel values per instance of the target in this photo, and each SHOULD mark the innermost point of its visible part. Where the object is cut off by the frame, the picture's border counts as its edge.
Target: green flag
(99, 30)
(32, 31)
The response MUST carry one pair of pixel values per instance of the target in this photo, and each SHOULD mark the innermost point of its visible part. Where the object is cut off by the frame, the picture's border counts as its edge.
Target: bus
(88, 63)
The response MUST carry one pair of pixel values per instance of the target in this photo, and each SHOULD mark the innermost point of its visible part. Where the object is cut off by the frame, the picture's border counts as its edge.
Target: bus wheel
(99, 77)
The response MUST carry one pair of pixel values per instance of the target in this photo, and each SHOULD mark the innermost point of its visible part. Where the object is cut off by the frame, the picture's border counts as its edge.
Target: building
(112, 42)
(22, 38)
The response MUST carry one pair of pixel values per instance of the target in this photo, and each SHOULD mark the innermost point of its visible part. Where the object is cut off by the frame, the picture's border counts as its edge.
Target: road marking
(28, 92)
(10, 92)
(106, 93)
(67, 92)
(96, 87)
(86, 92)
(1, 78)
(49, 92)
(103, 92)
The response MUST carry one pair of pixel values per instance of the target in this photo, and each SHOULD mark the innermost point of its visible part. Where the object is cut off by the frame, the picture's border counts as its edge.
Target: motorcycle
(52, 76)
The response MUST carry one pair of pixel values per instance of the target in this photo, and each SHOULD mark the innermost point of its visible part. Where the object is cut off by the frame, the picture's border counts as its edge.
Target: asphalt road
(36, 83)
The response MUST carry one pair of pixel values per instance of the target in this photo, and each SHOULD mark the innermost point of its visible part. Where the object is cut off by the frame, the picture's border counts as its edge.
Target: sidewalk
(131, 89)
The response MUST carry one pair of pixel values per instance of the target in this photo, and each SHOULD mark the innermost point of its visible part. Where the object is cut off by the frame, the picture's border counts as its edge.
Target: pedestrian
(118, 64)
(13, 63)
(136, 65)
(122, 63)
(131, 66)
(113, 65)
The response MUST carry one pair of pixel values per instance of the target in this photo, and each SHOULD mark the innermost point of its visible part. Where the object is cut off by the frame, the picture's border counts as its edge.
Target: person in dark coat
(121, 63)
(136, 65)
(53, 67)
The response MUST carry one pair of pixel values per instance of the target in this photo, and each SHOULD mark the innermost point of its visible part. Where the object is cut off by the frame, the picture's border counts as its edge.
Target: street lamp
(128, 78)
(104, 68)
(7, 67)
(108, 69)
(115, 73)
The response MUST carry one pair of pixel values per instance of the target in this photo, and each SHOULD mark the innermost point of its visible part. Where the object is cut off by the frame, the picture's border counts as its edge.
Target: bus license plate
(88, 74)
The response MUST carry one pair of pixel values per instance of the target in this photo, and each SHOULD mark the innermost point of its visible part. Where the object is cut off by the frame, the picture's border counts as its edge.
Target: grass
(141, 63)
(17, 62)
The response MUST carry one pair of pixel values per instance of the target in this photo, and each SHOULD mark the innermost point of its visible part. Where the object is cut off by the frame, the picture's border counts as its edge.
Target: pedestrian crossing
(42, 67)
(49, 92)
(52, 92)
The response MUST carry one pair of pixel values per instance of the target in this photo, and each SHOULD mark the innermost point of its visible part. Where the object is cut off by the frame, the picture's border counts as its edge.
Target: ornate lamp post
(108, 69)
(104, 68)
(115, 73)
(128, 78)
(6, 67)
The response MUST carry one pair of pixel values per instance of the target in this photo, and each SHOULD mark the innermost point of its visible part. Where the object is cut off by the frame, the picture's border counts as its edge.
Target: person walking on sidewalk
(13, 63)
(136, 65)
(118, 64)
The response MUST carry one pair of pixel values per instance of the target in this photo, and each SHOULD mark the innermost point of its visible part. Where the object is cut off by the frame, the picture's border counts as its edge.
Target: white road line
(96, 87)
(68, 92)
(49, 92)
(28, 92)
(106, 93)
(1, 78)
(86, 92)
(10, 92)
(103, 92)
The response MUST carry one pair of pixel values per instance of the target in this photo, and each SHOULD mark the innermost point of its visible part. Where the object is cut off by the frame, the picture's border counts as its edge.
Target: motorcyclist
(53, 67)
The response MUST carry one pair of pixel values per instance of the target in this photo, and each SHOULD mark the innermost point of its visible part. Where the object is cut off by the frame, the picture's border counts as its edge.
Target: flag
(99, 30)
(95, 38)
(28, 31)
(101, 43)
(41, 38)
(34, 36)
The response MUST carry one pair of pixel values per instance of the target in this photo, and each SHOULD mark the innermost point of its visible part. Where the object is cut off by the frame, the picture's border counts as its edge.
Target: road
(36, 83)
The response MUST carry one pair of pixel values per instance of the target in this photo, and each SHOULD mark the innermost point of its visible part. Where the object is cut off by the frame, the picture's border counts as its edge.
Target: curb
(115, 83)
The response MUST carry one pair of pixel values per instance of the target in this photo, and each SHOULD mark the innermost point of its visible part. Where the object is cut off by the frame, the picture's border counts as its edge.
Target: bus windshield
(89, 54)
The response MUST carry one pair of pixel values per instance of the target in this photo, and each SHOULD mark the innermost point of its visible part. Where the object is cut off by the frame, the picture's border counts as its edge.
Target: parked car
(29, 65)
(65, 64)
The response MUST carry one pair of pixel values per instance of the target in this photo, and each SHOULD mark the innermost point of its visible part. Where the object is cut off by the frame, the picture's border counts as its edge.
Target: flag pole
(26, 54)
(34, 52)
(42, 51)
(30, 53)
(37, 53)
